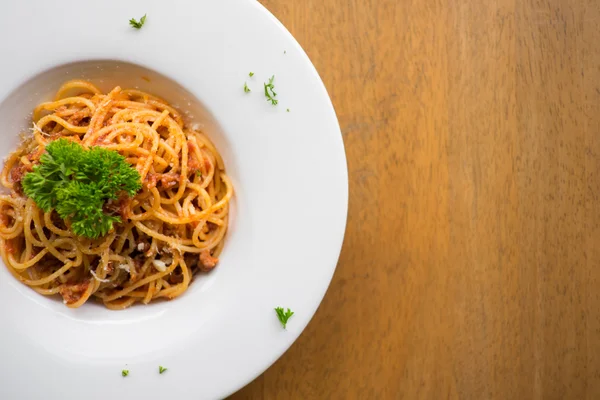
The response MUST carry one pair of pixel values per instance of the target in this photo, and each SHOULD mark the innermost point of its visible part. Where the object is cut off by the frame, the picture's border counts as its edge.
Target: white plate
(289, 214)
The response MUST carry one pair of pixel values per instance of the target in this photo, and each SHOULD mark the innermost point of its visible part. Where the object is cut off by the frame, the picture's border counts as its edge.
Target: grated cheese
(36, 128)
(125, 267)
(98, 279)
(159, 265)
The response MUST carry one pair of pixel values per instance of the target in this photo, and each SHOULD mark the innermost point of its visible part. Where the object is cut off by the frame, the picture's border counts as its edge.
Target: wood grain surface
(471, 263)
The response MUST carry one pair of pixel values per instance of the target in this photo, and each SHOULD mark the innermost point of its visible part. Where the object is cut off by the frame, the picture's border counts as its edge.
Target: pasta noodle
(174, 226)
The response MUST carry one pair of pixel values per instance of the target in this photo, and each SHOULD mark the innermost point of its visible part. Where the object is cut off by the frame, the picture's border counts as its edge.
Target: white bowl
(288, 216)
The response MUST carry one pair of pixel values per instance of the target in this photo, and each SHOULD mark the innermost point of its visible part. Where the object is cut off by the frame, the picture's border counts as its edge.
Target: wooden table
(471, 263)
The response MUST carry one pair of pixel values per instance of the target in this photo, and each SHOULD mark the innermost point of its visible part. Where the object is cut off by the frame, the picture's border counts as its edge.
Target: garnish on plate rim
(283, 316)
(270, 91)
(137, 24)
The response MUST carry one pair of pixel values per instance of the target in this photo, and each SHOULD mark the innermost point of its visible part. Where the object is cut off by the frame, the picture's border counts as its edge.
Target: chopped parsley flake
(137, 24)
(270, 91)
(283, 316)
(246, 88)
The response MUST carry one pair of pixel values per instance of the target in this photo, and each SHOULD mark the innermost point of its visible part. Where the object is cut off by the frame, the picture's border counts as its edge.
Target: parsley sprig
(283, 316)
(137, 24)
(270, 91)
(77, 183)
(161, 369)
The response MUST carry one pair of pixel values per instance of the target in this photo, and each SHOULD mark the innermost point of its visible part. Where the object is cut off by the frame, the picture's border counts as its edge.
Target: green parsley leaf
(125, 372)
(283, 315)
(77, 183)
(246, 88)
(288, 110)
(161, 369)
(251, 74)
(137, 24)
(270, 91)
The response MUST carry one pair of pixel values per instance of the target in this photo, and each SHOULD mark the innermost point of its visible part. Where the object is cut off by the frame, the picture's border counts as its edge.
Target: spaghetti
(173, 227)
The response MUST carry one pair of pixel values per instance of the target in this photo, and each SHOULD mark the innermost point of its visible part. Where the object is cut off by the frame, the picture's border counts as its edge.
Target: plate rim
(343, 170)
